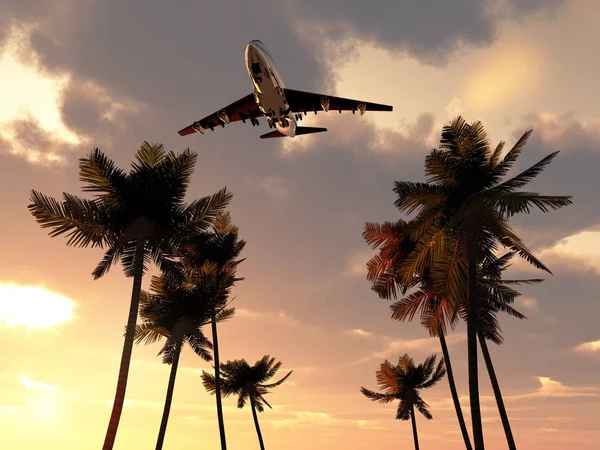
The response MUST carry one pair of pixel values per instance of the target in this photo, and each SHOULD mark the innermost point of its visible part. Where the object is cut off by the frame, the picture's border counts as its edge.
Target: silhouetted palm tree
(403, 382)
(463, 210)
(177, 309)
(394, 243)
(138, 217)
(249, 383)
(220, 246)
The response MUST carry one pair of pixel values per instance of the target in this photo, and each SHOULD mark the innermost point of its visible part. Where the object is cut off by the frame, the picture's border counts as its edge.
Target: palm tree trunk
(115, 416)
(260, 439)
(169, 398)
(472, 319)
(218, 382)
(414, 427)
(449, 373)
(496, 387)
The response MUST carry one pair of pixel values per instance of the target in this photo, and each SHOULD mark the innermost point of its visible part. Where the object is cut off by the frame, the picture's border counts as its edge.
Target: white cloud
(592, 347)
(575, 251)
(528, 303)
(316, 418)
(391, 348)
(280, 316)
(275, 188)
(357, 263)
(360, 332)
(30, 384)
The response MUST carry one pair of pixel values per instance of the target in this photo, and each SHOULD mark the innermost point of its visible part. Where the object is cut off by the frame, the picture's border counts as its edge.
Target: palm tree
(403, 382)
(138, 217)
(220, 246)
(177, 310)
(496, 296)
(248, 383)
(463, 211)
(394, 243)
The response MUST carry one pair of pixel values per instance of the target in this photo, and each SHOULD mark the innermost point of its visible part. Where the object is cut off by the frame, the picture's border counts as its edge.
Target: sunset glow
(119, 76)
(33, 307)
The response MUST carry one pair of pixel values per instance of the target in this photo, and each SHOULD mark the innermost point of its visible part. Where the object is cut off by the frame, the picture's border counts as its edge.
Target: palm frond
(511, 156)
(376, 396)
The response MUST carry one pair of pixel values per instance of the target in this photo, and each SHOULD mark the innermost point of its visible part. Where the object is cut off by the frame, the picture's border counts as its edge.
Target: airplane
(282, 107)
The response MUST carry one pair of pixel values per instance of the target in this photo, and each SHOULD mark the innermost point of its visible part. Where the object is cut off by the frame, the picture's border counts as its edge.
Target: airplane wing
(301, 101)
(244, 108)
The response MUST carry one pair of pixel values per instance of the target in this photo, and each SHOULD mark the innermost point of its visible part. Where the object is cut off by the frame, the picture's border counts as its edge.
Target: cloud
(30, 384)
(45, 115)
(364, 136)
(277, 189)
(571, 253)
(530, 304)
(34, 307)
(571, 173)
(432, 32)
(591, 348)
(392, 347)
(357, 263)
(397, 346)
(277, 316)
(316, 418)
(360, 332)
(552, 388)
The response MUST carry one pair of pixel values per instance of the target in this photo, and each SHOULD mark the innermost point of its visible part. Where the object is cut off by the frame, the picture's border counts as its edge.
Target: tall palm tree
(177, 310)
(221, 246)
(249, 383)
(138, 217)
(394, 243)
(463, 210)
(495, 296)
(403, 382)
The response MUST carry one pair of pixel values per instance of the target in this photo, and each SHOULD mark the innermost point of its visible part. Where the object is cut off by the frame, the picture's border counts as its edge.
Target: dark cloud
(430, 30)
(567, 309)
(573, 172)
(36, 144)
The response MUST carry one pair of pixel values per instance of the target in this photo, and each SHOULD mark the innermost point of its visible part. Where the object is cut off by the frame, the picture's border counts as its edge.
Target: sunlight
(29, 383)
(44, 405)
(29, 93)
(501, 77)
(33, 307)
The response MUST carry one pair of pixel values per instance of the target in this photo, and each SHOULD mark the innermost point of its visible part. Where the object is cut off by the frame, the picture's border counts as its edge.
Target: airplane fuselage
(269, 93)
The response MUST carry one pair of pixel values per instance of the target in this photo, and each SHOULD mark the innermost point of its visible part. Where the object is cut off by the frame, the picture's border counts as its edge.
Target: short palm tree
(138, 217)
(221, 246)
(403, 382)
(177, 310)
(249, 383)
(463, 210)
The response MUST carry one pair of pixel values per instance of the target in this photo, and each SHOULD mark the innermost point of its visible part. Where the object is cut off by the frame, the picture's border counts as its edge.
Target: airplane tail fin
(299, 131)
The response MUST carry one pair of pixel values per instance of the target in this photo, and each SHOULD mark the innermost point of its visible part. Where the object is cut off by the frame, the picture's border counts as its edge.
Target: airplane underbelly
(269, 93)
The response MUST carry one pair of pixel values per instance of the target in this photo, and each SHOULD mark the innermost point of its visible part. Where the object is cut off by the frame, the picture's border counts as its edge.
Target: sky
(79, 74)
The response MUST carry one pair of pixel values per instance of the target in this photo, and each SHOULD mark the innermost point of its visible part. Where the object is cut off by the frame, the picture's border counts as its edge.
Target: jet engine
(325, 104)
(361, 108)
(198, 128)
(287, 126)
(223, 117)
